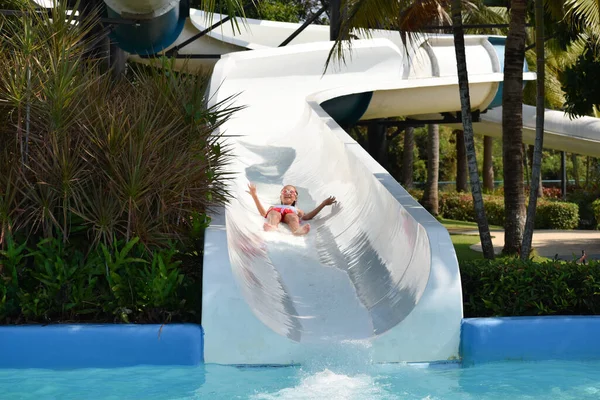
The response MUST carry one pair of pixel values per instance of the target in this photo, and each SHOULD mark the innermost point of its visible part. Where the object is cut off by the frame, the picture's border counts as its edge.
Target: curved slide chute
(377, 268)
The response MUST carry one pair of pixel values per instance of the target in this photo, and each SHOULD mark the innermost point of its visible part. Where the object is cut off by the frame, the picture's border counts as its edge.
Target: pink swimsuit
(283, 210)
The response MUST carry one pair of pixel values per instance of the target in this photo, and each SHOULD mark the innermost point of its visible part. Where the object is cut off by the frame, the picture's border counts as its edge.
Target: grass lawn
(462, 246)
(454, 225)
(463, 243)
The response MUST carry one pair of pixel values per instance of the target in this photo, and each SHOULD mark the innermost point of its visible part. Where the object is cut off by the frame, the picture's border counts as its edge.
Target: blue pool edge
(566, 338)
(483, 340)
(68, 346)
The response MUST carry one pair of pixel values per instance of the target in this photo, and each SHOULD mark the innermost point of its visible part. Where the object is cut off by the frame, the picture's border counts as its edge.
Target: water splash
(330, 385)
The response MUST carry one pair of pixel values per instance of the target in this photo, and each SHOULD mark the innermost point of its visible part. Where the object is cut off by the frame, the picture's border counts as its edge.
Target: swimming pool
(514, 380)
(103, 362)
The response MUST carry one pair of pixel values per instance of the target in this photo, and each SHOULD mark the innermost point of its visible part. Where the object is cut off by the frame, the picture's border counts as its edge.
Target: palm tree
(409, 16)
(539, 131)
(465, 101)
(488, 163)
(512, 124)
(430, 196)
(461, 162)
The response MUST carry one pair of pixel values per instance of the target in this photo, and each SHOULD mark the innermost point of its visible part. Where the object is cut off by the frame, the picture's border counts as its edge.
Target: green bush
(99, 177)
(123, 282)
(510, 287)
(133, 158)
(494, 209)
(457, 206)
(549, 214)
(556, 215)
(584, 199)
(595, 206)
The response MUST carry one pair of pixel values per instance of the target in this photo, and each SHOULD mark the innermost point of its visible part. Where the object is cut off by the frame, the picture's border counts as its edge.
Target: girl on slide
(287, 212)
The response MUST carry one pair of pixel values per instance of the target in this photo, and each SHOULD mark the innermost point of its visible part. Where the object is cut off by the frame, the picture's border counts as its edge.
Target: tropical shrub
(551, 192)
(105, 184)
(596, 210)
(511, 287)
(122, 282)
(129, 159)
(549, 214)
(556, 215)
(585, 198)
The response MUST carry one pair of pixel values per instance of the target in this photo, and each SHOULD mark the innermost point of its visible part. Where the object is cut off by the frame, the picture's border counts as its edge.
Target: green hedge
(596, 210)
(549, 215)
(124, 282)
(510, 287)
(556, 215)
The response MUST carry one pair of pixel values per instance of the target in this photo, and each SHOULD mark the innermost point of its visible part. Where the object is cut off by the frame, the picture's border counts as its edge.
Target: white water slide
(376, 269)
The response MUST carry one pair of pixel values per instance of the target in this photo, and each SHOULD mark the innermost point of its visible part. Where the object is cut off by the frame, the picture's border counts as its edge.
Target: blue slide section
(150, 35)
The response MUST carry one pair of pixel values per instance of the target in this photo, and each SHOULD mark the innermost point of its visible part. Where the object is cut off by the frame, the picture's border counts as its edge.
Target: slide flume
(375, 268)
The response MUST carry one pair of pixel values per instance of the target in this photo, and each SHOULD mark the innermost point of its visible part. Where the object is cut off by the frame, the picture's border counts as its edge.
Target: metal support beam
(197, 36)
(448, 118)
(302, 27)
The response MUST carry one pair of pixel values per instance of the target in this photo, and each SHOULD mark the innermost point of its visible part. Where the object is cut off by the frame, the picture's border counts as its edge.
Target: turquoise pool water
(506, 380)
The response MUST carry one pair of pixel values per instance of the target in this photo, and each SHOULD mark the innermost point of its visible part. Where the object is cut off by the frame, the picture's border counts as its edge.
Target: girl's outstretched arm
(259, 206)
(327, 202)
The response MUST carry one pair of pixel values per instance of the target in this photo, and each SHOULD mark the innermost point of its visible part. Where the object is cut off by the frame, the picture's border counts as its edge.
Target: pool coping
(70, 346)
(483, 340)
(543, 338)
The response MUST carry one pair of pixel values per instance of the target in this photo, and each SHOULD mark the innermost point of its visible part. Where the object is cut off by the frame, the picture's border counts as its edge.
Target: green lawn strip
(454, 225)
(462, 246)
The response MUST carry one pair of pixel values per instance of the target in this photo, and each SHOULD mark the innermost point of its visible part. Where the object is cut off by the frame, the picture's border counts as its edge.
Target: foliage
(584, 198)
(284, 10)
(128, 159)
(556, 215)
(511, 287)
(105, 185)
(582, 92)
(596, 209)
(549, 215)
(270, 10)
(122, 282)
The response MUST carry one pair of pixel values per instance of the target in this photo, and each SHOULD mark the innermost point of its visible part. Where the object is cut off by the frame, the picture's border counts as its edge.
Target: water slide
(376, 270)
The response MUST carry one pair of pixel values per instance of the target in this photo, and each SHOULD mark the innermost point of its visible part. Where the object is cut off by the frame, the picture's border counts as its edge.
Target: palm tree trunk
(526, 165)
(488, 163)
(461, 162)
(536, 169)
(465, 102)
(407, 157)
(512, 125)
(430, 195)
(530, 156)
(575, 161)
